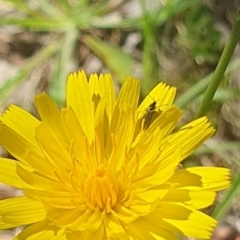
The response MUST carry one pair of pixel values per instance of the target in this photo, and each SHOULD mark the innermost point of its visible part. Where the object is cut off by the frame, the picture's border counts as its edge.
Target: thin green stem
(226, 202)
(199, 87)
(220, 69)
(150, 62)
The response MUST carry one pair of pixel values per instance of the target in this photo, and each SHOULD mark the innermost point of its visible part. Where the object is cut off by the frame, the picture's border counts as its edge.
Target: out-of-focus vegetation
(182, 28)
(178, 42)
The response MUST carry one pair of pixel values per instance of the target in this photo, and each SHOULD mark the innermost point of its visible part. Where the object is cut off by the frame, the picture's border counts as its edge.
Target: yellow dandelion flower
(104, 168)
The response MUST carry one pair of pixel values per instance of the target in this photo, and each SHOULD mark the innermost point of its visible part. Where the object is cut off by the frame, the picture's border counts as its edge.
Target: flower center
(101, 189)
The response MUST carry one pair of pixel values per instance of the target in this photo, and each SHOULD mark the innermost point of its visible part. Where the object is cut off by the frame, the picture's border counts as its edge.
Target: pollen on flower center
(101, 189)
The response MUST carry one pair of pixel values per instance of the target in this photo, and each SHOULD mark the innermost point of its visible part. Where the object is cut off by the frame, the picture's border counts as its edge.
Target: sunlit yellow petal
(102, 87)
(20, 211)
(24, 151)
(197, 199)
(54, 152)
(196, 223)
(162, 94)
(72, 126)
(189, 137)
(149, 230)
(79, 98)
(36, 180)
(207, 178)
(129, 93)
(159, 171)
(167, 121)
(42, 230)
(8, 174)
(51, 117)
(113, 226)
(88, 234)
(21, 122)
(123, 134)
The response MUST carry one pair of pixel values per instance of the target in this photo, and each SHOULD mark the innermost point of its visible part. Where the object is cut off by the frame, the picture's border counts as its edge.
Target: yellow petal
(207, 178)
(147, 149)
(51, 117)
(79, 98)
(113, 226)
(129, 93)
(20, 211)
(142, 229)
(72, 126)
(8, 173)
(120, 136)
(80, 149)
(100, 234)
(55, 153)
(23, 150)
(34, 180)
(76, 219)
(189, 137)
(149, 195)
(124, 214)
(103, 87)
(42, 230)
(149, 143)
(159, 171)
(56, 199)
(183, 220)
(167, 121)
(21, 122)
(162, 94)
(101, 130)
(69, 218)
(197, 199)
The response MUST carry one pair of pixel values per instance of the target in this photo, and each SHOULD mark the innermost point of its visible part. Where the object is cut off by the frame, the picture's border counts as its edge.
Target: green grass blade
(227, 201)
(25, 71)
(151, 68)
(38, 24)
(49, 8)
(222, 65)
(57, 88)
(113, 57)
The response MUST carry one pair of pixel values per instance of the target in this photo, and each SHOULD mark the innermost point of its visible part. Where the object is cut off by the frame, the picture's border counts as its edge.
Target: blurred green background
(173, 41)
(178, 42)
